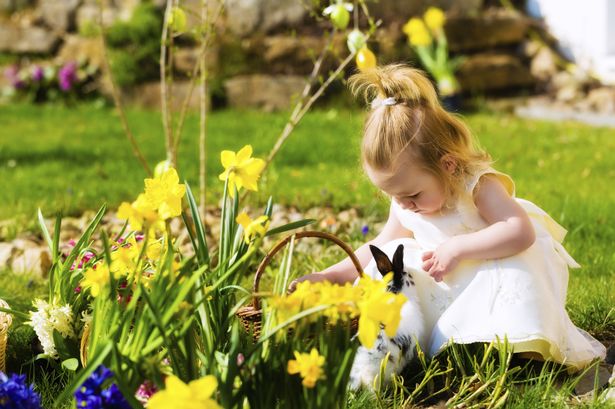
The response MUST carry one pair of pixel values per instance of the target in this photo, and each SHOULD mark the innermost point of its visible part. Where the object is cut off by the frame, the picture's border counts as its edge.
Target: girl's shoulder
(474, 180)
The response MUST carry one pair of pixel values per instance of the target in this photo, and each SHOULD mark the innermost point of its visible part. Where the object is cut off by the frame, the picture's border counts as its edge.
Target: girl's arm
(509, 232)
(344, 271)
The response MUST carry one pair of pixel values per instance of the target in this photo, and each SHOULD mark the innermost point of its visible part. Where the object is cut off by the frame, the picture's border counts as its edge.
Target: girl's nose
(406, 204)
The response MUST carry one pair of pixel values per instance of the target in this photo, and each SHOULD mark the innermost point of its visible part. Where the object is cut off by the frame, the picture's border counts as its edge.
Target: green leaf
(290, 226)
(202, 250)
(71, 364)
(46, 236)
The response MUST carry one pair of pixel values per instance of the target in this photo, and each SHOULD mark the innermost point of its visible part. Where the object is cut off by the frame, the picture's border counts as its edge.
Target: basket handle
(309, 233)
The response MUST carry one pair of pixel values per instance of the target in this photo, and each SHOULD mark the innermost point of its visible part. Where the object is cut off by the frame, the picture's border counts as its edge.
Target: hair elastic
(377, 102)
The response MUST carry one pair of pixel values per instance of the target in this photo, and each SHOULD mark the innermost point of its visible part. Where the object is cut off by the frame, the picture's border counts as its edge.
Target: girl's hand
(314, 277)
(443, 260)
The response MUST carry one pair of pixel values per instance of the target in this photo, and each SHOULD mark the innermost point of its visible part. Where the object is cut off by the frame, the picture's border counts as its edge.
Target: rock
(31, 40)
(291, 54)
(7, 251)
(395, 10)
(185, 59)
(566, 87)
(590, 379)
(490, 71)
(59, 14)
(76, 48)
(148, 95)
(490, 29)
(32, 260)
(601, 100)
(543, 65)
(88, 15)
(245, 17)
(11, 6)
(263, 91)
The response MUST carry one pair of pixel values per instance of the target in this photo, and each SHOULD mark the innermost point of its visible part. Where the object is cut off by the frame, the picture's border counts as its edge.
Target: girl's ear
(448, 163)
(382, 261)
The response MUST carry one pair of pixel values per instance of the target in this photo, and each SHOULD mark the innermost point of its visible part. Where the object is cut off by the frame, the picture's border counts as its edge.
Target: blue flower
(91, 395)
(365, 229)
(15, 394)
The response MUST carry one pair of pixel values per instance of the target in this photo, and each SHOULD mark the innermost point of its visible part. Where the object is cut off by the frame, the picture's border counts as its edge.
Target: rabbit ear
(398, 269)
(382, 261)
(398, 259)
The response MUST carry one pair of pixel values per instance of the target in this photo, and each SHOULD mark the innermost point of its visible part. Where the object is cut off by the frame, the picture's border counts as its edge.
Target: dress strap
(506, 180)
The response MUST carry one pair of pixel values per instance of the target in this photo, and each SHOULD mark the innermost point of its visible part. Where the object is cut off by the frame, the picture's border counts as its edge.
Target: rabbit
(402, 347)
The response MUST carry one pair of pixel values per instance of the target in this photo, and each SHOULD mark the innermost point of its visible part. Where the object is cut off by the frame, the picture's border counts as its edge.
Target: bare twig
(117, 100)
(203, 113)
(164, 88)
(184, 109)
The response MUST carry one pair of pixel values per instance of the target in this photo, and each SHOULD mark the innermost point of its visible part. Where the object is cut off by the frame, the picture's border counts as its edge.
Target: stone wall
(263, 48)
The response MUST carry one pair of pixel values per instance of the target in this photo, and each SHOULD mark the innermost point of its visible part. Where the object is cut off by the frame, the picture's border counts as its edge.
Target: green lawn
(73, 159)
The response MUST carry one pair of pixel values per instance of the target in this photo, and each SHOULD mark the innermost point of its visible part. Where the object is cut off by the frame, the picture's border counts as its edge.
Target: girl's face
(412, 187)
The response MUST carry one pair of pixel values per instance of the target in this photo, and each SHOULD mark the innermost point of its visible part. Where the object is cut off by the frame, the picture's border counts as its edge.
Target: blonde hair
(415, 124)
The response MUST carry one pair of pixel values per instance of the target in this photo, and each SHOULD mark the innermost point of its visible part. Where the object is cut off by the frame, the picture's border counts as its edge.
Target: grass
(74, 159)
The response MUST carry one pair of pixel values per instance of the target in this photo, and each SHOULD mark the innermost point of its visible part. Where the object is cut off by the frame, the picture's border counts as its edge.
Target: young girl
(494, 264)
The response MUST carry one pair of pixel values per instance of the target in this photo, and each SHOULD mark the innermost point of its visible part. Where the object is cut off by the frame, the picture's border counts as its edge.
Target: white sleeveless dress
(521, 297)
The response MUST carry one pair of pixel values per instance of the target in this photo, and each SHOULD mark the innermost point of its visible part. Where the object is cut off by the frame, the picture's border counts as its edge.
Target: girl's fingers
(427, 255)
(427, 265)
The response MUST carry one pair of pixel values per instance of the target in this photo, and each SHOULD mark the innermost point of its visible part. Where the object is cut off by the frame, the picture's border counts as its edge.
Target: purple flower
(365, 229)
(15, 394)
(145, 391)
(67, 76)
(91, 395)
(37, 73)
(12, 74)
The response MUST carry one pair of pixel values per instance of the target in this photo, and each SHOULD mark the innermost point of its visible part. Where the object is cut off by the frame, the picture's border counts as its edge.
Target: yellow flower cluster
(124, 263)
(194, 395)
(420, 31)
(160, 201)
(309, 366)
(369, 299)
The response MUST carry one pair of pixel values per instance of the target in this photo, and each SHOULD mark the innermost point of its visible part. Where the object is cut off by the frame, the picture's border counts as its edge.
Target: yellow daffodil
(194, 395)
(138, 213)
(377, 306)
(252, 228)
(365, 59)
(153, 250)
(164, 194)
(434, 19)
(124, 258)
(309, 366)
(417, 32)
(96, 278)
(241, 169)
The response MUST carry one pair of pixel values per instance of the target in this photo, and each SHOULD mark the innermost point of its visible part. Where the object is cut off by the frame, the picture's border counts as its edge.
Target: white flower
(48, 317)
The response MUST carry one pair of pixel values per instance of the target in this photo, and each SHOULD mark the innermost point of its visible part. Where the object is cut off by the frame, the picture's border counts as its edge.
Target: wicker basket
(5, 322)
(250, 316)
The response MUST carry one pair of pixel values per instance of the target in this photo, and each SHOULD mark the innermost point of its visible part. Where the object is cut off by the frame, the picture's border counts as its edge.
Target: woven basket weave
(251, 315)
(5, 322)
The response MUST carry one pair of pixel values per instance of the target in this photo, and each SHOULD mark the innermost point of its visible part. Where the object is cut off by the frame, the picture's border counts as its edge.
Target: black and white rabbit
(411, 330)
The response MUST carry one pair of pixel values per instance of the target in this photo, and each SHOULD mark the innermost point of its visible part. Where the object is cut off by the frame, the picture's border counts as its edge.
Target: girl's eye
(414, 196)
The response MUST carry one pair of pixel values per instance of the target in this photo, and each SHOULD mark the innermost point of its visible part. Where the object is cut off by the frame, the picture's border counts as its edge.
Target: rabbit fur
(402, 347)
